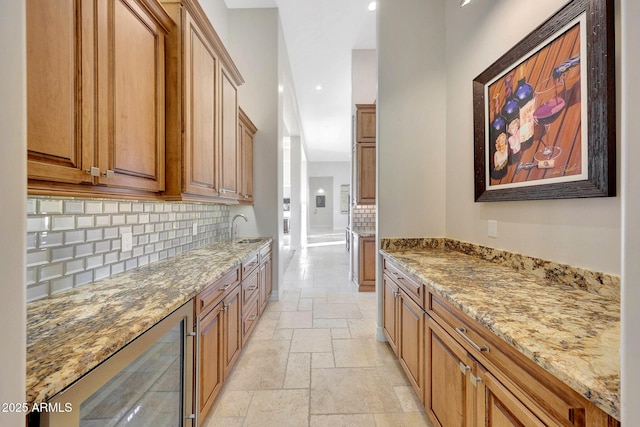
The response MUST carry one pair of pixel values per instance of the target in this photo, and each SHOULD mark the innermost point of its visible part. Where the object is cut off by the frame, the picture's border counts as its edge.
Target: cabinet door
(390, 298)
(449, 395)
(200, 68)
(366, 153)
(265, 283)
(131, 96)
(60, 90)
(247, 165)
(366, 119)
(411, 341)
(229, 148)
(498, 407)
(368, 263)
(232, 329)
(210, 358)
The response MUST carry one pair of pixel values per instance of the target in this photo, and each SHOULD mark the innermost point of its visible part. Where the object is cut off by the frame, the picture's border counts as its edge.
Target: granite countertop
(71, 333)
(364, 232)
(572, 333)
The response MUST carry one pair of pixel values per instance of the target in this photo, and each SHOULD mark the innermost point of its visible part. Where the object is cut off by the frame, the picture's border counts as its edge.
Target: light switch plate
(127, 242)
(195, 229)
(492, 228)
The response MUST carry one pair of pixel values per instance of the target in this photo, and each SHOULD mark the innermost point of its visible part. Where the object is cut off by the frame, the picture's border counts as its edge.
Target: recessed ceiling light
(464, 2)
(319, 88)
(372, 6)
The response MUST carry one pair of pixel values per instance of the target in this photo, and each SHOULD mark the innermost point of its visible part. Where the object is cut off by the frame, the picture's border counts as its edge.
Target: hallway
(313, 359)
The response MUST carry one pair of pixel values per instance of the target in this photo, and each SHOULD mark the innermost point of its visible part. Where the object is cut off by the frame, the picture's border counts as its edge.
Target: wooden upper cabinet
(246, 133)
(229, 147)
(366, 176)
(365, 154)
(201, 109)
(60, 90)
(366, 121)
(131, 94)
(95, 84)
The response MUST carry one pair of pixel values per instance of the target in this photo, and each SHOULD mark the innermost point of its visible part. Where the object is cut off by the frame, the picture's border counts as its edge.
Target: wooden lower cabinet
(227, 312)
(411, 338)
(232, 329)
(497, 406)
(390, 311)
(210, 369)
(363, 262)
(467, 376)
(448, 396)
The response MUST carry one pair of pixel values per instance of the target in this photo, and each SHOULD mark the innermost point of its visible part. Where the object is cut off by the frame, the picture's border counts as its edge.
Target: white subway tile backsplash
(84, 221)
(50, 206)
(93, 207)
(61, 284)
(102, 246)
(49, 239)
(83, 250)
(75, 236)
(62, 222)
(101, 273)
(32, 241)
(78, 240)
(83, 278)
(73, 207)
(37, 224)
(110, 207)
(74, 266)
(94, 234)
(35, 258)
(37, 291)
(49, 272)
(31, 206)
(62, 254)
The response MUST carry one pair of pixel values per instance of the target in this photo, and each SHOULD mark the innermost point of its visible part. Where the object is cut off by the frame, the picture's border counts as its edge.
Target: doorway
(320, 205)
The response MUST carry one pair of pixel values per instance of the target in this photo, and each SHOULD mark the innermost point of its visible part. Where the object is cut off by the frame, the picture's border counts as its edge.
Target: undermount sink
(255, 240)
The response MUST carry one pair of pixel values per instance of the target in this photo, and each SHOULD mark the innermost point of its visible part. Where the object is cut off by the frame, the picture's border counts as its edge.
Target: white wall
(253, 45)
(216, 11)
(364, 77)
(630, 112)
(295, 225)
(580, 232)
(13, 174)
(341, 173)
(411, 118)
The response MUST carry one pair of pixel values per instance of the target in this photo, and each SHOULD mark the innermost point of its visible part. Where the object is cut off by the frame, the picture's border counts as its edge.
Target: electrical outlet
(492, 228)
(194, 231)
(127, 242)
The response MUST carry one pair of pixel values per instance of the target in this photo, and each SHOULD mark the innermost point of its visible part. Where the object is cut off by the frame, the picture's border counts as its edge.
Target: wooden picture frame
(559, 132)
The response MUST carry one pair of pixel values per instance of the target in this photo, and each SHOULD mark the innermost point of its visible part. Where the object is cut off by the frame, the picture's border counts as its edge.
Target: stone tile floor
(313, 359)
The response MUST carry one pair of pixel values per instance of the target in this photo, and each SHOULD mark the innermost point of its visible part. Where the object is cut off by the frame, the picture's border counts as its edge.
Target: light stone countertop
(572, 333)
(71, 333)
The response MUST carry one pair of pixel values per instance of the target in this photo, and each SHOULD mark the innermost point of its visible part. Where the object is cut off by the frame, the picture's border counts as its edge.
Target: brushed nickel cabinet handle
(253, 317)
(463, 332)
(464, 368)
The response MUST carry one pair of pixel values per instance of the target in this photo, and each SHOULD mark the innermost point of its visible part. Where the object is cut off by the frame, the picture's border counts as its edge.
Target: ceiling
(320, 36)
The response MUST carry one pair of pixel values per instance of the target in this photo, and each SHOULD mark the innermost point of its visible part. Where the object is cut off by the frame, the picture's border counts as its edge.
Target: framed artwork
(320, 201)
(544, 113)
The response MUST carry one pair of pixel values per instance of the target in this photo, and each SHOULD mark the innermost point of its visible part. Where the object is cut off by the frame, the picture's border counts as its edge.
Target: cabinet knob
(109, 174)
(475, 380)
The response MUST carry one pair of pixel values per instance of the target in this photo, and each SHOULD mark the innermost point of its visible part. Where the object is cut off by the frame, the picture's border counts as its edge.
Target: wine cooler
(147, 383)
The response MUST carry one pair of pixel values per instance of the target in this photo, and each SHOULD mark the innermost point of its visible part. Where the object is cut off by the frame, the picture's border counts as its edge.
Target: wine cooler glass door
(147, 383)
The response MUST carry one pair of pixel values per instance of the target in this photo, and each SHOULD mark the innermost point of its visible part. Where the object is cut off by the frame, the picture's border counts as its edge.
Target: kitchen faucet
(234, 226)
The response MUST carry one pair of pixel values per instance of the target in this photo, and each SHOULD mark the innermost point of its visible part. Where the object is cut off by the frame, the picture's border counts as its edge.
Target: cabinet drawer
(250, 319)
(530, 383)
(249, 264)
(249, 290)
(215, 292)
(407, 282)
(265, 252)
